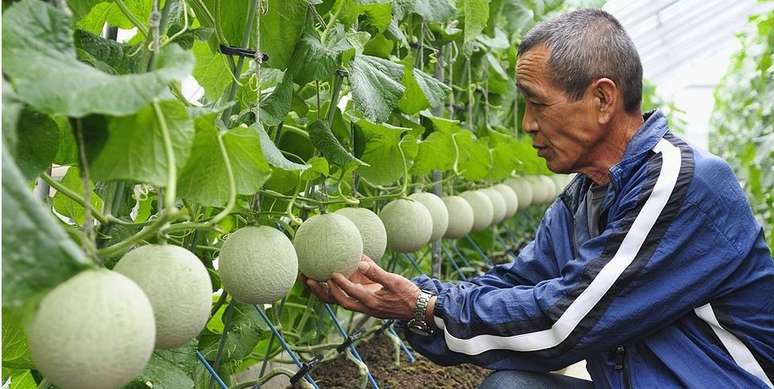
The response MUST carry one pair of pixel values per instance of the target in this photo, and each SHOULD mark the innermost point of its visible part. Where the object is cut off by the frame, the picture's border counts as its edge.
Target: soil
(379, 355)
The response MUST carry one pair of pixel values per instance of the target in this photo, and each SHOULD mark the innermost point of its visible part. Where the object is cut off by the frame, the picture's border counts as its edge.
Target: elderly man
(650, 265)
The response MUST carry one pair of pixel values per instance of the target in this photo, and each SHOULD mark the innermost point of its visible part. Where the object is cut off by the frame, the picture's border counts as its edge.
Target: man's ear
(605, 94)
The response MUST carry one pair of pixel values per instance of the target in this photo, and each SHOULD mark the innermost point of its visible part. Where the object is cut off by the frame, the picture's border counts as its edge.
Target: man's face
(563, 131)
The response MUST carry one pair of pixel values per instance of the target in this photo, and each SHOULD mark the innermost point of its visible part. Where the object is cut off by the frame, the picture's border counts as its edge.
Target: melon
(523, 190)
(371, 230)
(438, 212)
(498, 204)
(483, 210)
(409, 225)
(539, 190)
(560, 182)
(460, 217)
(511, 200)
(551, 189)
(94, 331)
(257, 265)
(178, 287)
(328, 244)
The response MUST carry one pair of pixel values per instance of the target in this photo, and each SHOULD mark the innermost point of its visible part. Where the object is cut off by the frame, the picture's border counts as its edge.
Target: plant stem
(222, 342)
(271, 374)
(132, 18)
(90, 242)
(235, 69)
(73, 196)
(171, 192)
(166, 216)
(334, 98)
(231, 196)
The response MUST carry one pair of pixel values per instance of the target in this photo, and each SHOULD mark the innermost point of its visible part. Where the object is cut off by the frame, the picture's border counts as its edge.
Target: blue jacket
(677, 290)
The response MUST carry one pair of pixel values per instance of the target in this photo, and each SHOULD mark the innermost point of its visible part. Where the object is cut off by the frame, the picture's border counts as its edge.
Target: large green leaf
(16, 352)
(422, 90)
(134, 145)
(281, 28)
(37, 253)
(277, 104)
(168, 369)
(12, 107)
(204, 179)
(376, 85)
(377, 12)
(273, 154)
(37, 143)
(476, 14)
(381, 152)
(65, 206)
(437, 152)
(324, 141)
(474, 159)
(243, 331)
(39, 57)
(313, 61)
(211, 71)
(430, 10)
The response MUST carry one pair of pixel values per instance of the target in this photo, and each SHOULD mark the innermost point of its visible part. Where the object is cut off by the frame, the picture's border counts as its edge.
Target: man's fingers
(355, 290)
(375, 273)
(346, 301)
(320, 291)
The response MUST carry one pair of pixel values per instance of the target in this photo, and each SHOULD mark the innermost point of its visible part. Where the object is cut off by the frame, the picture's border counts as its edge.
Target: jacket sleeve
(658, 258)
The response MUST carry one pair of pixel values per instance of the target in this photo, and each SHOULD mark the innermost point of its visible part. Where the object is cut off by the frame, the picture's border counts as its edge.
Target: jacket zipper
(620, 364)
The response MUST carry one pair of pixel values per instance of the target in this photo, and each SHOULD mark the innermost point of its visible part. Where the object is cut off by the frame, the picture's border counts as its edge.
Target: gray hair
(585, 45)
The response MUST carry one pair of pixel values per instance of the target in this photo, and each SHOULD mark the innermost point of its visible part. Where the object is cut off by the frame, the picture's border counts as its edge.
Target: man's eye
(533, 102)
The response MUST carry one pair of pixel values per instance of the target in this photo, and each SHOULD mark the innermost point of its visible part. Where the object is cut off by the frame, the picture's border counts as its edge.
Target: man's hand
(370, 290)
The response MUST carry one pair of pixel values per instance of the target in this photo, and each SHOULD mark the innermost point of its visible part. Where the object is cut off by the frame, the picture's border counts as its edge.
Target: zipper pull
(619, 357)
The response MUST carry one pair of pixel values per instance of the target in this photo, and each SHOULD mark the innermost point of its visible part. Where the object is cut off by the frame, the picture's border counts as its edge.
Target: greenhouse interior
(233, 194)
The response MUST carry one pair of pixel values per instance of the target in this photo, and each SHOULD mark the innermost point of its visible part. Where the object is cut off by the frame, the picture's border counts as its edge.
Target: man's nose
(528, 122)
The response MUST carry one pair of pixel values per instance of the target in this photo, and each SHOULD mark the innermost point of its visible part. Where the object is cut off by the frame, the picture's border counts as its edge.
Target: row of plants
(309, 107)
(743, 118)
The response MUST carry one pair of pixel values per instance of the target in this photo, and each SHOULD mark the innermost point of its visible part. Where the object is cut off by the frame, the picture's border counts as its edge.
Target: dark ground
(378, 354)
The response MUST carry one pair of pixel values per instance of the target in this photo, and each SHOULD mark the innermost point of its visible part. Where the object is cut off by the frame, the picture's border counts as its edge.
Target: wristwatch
(417, 324)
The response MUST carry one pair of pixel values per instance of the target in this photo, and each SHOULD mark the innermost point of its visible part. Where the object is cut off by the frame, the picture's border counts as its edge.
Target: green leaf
(81, 8)
(281, 29)
(38, 38)
(474, 158)
(243, 331)
(16, 353)
(94, 21)
(378, 12)
(37, 253)
(323, 140)
(381, 153)
(318, 166)
(20, 378)
(204, 180)
(476, 13)
(68, 207)
(211, 71)
(314, 61)
(273, 154)
(168, 369)
(435, 153)
(376, 85)
(277, 104)
(422, 89)
(379, 46)
(430, 10)
(134, 146)
(37, 143)
(12, 107)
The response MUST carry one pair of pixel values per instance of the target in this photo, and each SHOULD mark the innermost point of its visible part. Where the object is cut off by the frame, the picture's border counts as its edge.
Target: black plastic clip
(384, 326)
(241, 52)
(350, 340)
(306, 368)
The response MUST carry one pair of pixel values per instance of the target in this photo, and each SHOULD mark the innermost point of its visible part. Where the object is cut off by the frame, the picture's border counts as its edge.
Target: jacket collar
(644, 140)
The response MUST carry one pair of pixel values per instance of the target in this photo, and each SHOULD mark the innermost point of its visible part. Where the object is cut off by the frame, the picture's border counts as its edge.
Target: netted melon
(498, 204)
(511, 200)
(408, 223)
(257, 265)
(371, 230)
(178, 287)
(328, 244)
(438, 212)
(460, 217)
(94, 331)
(523, 190)
(483, 210)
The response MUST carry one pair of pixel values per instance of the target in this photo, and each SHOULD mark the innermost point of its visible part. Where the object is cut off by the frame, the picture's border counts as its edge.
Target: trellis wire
(285, 345)
(212, 371)
(351, 346)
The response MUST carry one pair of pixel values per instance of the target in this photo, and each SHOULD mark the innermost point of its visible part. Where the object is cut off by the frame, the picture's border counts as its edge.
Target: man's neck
(611, 148)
